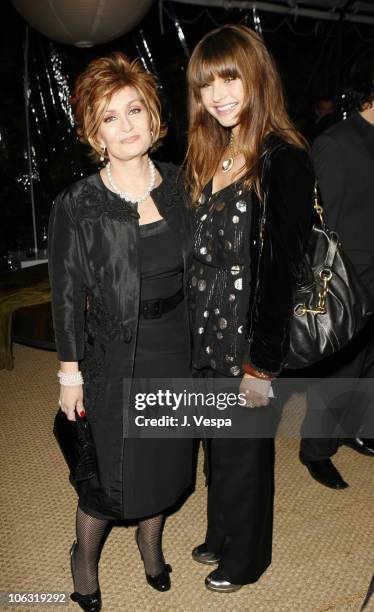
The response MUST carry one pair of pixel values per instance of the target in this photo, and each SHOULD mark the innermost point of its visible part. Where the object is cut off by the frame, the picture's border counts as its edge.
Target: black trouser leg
(215, 534)
(346, 414)
(316, 449)
(240, 506)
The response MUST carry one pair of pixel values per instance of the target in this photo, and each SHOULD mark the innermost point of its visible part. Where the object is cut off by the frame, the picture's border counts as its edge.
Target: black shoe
(160, 582)
(202, 555)
(90, 602)
(365, 446)
(325, 472)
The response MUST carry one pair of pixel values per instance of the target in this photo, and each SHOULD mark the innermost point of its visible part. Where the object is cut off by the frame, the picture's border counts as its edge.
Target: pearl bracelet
(70, 380)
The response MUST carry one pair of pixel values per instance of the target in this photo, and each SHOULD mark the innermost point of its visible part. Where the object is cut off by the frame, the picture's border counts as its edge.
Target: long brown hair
(234, 51)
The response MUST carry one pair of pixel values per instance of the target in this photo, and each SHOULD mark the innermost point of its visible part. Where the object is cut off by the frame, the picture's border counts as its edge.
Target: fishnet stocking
(149, 539)
(90, 535)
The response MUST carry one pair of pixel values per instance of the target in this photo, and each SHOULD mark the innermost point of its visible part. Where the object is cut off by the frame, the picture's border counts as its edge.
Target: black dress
(157, 471)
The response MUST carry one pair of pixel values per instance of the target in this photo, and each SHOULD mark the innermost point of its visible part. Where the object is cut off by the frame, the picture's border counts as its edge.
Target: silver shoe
(221, 586)
(202, 555)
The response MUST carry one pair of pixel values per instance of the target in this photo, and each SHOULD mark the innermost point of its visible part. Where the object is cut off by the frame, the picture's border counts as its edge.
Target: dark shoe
(365, 446)
(325, 472)
(215, 582)
(160, 582)
(90, 602)
(202, 555)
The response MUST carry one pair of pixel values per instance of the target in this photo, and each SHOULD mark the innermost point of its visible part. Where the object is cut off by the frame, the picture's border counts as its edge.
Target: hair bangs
(213, 60)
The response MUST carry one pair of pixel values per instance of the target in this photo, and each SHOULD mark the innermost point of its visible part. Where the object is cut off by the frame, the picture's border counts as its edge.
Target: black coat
(94, 268)
(288, 186)
(343, 158)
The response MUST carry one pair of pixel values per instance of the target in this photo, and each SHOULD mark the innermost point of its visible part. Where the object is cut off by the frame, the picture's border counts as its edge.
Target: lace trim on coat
(101, 326)
(109, 326)
(171, 190)
(92, 202)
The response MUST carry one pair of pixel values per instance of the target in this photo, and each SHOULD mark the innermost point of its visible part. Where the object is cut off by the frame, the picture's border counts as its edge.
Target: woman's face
(125, 127)
(223, 99)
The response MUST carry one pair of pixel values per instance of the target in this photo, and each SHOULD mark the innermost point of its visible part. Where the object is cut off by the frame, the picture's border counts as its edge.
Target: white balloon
(83, 23)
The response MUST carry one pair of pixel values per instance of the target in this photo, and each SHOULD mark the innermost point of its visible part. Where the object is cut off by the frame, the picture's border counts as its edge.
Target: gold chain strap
(317, 206)
(325, 275)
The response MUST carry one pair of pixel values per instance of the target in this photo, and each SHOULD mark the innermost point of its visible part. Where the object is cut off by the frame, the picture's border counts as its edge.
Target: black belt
(154, 309)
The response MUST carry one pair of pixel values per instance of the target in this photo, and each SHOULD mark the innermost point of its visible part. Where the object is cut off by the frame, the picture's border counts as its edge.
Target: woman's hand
(71, 400)
(256, 390)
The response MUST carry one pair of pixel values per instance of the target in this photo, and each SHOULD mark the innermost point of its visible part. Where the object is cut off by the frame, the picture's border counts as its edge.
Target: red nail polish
(82, 413)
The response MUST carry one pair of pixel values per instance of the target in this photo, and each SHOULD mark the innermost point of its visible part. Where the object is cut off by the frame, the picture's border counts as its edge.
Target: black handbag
(331, 303)
(77, 445)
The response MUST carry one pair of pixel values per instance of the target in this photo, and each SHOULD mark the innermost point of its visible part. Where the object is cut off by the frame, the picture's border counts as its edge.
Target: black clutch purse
(75, 441)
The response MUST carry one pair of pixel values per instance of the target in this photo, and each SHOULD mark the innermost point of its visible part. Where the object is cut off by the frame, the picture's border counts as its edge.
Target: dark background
(313, 56)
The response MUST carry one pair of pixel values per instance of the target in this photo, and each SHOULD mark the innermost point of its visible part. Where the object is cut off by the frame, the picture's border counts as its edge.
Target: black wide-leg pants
(240, 505)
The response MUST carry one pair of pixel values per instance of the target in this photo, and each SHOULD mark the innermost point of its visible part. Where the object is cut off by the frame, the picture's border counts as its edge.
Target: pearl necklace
(124, 195)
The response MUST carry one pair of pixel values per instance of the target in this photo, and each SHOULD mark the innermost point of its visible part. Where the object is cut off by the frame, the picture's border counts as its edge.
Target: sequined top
(219, 283)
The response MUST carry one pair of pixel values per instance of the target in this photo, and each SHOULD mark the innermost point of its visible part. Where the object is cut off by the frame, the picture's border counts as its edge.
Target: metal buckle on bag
(320, 308)
(152, 309)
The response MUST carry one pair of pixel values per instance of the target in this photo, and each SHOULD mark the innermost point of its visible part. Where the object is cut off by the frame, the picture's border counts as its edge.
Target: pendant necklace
(228, 163)
(124, 195)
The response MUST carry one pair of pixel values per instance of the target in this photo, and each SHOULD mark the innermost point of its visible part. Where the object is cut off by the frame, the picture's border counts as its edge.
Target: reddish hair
(96, 85)
(234, 51)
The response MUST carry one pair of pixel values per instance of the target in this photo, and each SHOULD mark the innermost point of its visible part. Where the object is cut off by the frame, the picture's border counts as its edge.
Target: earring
(102, 153)
(152, 135)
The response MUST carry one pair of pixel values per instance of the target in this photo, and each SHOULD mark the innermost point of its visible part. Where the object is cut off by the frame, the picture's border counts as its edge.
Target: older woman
(119, 246)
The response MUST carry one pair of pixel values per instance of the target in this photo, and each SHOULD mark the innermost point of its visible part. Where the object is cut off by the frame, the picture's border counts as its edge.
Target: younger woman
(244, 155)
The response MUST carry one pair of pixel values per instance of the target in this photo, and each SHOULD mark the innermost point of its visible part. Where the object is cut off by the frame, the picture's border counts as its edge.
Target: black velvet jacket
(287, 185)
